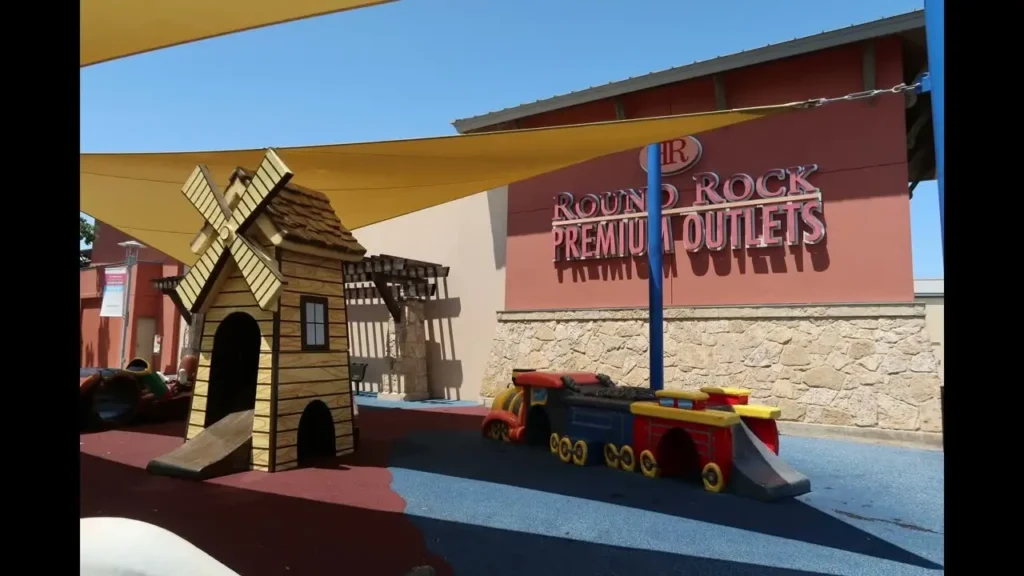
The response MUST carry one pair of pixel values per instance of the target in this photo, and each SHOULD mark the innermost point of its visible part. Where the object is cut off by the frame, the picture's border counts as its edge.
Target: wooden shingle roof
(305, 216)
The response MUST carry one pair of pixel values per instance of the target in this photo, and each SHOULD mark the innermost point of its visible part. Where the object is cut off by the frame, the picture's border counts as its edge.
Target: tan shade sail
(111, 29)
(140, 194)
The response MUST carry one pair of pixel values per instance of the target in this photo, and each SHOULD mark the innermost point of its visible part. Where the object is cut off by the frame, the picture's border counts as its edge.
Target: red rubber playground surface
(259, 523)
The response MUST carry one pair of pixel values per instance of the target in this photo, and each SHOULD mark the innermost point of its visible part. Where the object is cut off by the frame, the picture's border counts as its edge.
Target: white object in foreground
(121, 547)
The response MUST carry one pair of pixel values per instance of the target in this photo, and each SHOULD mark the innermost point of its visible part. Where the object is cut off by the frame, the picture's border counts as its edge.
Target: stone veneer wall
(868, 366)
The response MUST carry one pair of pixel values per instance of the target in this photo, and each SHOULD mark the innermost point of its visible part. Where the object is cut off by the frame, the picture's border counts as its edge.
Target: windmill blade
(191, 287)
(203, 193)
(270, 177)
(259, 271)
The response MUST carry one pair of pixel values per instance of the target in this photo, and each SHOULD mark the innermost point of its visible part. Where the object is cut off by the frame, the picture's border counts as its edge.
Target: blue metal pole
(935, 25)
(654, 253)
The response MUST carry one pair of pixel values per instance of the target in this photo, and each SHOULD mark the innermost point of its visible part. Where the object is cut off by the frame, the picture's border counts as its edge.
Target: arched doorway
(677, 456)
(538, 426)
(234, 364)
(316, 433)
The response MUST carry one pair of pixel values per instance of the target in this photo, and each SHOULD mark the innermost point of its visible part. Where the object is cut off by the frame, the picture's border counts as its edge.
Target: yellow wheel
(626, 459)
(611, 456)
(648, 464)
(579, 453)
(712, 477)
(565, 449)
(553, 443)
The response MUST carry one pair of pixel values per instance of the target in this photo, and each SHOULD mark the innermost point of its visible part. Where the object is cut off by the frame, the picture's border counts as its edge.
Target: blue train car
(597, 429)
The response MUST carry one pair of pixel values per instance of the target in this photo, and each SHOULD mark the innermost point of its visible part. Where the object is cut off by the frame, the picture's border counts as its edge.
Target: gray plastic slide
(759, 473)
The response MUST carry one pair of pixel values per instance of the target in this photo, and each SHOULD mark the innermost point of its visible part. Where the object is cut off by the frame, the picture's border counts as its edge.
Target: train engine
(712, 435)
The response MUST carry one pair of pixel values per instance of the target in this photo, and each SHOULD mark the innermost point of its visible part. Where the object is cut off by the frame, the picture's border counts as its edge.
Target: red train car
(713, 434)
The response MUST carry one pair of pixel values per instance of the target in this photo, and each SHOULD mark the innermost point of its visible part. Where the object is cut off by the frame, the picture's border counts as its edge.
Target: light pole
(934, 26)
(935, 34)
(131, 248)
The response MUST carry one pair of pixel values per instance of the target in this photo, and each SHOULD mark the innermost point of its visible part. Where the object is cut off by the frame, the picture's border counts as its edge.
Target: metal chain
(866, 94)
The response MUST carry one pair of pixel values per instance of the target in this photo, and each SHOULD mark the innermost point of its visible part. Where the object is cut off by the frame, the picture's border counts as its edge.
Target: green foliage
(86, 234)
(86, 231)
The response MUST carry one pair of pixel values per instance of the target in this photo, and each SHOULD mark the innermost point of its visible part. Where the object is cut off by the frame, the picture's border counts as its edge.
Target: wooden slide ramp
(223, 448)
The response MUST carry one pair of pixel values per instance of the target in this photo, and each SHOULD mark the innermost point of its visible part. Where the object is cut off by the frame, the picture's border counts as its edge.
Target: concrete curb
(920, 440)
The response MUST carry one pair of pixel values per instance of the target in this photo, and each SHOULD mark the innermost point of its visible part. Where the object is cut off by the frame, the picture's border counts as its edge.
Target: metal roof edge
(929, 287)
(825, 40)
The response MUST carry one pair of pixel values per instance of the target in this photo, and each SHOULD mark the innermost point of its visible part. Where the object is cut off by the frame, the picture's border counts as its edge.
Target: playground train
(585, 418)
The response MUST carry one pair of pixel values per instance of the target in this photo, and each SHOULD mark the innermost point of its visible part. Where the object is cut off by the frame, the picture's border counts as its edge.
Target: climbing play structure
(113, 397)
(272, 383)
(713, 434)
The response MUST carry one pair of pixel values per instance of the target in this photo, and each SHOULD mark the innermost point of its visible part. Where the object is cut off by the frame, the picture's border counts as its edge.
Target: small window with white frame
(315, 333)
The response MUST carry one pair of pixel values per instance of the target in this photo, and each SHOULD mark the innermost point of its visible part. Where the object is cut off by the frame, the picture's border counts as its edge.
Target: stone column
(406, 377)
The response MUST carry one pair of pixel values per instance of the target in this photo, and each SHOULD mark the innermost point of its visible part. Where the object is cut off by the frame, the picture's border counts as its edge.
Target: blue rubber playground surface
(495, 509)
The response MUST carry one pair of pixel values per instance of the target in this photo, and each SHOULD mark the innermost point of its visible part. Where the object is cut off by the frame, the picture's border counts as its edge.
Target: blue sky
(408, 69)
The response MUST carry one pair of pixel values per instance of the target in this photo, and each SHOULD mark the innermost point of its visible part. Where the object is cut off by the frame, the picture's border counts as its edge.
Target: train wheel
(611, 456)
(648, 464)
(565, 449)
(493, 430)
(503, 431)
(712, 477)
(626, 459)
(579, 453)
(553, 442)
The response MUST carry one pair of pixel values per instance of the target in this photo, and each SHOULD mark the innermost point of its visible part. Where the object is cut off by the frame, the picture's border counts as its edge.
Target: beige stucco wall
(935, 322)
(468, 235)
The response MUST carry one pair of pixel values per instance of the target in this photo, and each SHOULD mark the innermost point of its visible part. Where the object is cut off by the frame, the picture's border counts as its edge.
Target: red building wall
(100, 338)
(860, 148)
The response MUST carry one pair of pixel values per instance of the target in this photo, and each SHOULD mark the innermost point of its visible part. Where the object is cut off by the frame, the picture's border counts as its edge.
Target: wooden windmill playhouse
(273, 380)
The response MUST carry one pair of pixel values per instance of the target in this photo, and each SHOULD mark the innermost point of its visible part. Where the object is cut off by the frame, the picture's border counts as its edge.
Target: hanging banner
(113, 292)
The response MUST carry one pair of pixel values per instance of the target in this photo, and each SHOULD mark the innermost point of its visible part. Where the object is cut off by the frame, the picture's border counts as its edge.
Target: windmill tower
(272, 387)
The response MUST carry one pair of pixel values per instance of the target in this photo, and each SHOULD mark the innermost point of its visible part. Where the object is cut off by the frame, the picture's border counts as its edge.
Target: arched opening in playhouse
(678, 456)
(234, 365)
(538, 426)
(316, 433)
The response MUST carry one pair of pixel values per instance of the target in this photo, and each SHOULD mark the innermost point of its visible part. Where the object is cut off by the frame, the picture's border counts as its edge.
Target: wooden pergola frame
(391, 278)
(169, 287)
